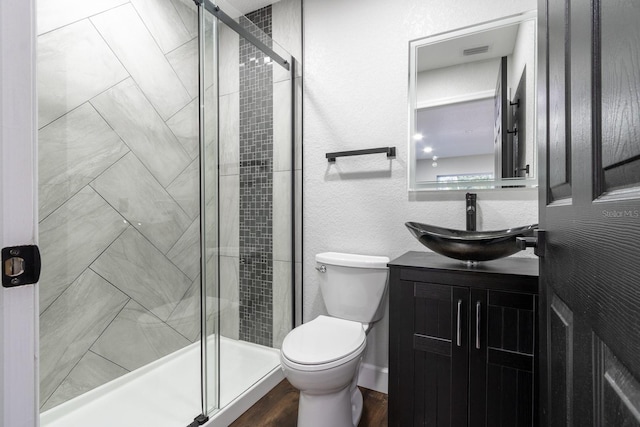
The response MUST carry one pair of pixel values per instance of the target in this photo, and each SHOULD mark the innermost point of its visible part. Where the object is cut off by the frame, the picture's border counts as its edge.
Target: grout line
(81, 357)
(83, 18)
(164, 54)
(112, 320)
(131, 75)
(91, 263)
(108, 360)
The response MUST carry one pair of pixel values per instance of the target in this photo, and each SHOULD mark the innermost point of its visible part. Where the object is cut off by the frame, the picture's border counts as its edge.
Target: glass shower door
(252, 257)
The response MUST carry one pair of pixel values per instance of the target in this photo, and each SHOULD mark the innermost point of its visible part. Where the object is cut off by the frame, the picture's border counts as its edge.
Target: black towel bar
(391, 152)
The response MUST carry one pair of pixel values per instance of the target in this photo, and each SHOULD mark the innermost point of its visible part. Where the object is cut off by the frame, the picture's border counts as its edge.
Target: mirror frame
(496, 184)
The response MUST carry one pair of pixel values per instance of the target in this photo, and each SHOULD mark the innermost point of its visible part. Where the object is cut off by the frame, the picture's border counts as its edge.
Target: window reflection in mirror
(472, 107)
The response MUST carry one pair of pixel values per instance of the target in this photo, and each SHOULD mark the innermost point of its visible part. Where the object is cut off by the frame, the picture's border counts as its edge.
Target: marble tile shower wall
(118, 150)
(118, 166)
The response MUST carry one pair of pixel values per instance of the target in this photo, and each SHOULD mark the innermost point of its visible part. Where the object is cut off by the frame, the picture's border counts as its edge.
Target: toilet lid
(323, 340)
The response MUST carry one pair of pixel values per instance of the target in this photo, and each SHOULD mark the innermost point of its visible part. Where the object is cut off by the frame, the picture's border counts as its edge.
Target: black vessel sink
(470, 245)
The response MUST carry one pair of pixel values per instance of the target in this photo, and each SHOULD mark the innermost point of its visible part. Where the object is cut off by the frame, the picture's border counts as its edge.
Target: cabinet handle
(459, 317)
(478, 324)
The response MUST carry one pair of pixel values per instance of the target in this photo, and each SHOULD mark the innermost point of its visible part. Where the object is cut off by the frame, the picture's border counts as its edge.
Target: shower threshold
(166, 393)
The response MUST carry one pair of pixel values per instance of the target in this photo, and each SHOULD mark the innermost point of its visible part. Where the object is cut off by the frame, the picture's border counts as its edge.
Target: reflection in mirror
(472, 107)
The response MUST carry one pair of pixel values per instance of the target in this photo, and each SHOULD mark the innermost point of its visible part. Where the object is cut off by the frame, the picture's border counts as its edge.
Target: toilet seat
(323, 343)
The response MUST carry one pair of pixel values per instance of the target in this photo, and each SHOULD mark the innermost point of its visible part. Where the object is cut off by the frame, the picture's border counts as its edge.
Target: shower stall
(169, 207)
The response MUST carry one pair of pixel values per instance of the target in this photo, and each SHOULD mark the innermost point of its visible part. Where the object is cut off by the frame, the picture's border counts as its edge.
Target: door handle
(537, 242)
(459, 324)
(20, 265)
(478, 310)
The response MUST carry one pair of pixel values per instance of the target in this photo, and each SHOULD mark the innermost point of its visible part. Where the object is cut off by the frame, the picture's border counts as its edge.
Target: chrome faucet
(471, 211)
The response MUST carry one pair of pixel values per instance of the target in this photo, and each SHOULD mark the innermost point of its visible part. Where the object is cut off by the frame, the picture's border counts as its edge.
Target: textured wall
(356, 80)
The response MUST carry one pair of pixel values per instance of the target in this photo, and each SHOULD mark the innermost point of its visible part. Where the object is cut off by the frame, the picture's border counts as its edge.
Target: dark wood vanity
(463, 342)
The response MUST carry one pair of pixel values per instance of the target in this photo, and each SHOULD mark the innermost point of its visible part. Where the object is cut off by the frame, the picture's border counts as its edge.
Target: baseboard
(374, 378)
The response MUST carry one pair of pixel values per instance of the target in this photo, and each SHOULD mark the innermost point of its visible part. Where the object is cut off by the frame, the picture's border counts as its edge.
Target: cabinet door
(440, 355)
(502, 386)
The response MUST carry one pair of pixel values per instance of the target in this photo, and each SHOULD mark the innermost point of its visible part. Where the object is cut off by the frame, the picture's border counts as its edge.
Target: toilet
(321, 358)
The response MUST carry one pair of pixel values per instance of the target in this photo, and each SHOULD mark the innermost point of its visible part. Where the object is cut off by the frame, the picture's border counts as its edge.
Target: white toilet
(321, 357)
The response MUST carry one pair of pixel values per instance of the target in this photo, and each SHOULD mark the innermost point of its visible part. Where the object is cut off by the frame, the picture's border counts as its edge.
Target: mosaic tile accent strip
(256, 187)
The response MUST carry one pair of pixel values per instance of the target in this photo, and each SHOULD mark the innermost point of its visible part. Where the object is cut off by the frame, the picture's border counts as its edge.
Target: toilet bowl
(321, 358)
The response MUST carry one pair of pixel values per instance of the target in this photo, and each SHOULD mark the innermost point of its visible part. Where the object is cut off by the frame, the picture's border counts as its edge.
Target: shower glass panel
(256, 169)
(166, 175)
(119, 209)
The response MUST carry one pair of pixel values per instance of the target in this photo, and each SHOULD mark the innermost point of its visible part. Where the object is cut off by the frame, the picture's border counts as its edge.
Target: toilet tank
(353, 286)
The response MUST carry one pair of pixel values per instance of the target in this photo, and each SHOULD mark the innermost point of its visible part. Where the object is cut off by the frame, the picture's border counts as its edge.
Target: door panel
(589, 277)
(617, 392)
(559, 107)
(618, 41)
(561, 361)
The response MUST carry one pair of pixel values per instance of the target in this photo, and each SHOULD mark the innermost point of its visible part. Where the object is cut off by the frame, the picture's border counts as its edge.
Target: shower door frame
(210, 405)
(18, 215)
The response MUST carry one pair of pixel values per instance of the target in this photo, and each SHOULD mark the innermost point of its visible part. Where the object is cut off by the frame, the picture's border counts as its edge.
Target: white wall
(457, 80)
(425, 172)
(355, 97)
(524, 54)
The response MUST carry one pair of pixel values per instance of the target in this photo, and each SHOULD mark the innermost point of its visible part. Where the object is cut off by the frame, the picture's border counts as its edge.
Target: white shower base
(166, 393)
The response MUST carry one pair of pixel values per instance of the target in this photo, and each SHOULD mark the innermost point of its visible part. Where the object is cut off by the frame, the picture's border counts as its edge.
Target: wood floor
(279, 408)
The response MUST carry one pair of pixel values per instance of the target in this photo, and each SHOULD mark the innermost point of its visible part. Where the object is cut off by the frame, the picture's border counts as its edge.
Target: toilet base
(340, 409)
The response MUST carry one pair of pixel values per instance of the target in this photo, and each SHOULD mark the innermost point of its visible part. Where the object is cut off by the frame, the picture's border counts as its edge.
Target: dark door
(589, 130)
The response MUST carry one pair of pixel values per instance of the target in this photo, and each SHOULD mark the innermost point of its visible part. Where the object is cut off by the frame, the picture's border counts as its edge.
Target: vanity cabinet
(462, 342)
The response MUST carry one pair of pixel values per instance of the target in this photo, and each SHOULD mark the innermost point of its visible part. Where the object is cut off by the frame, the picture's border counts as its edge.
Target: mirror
(472, 104)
